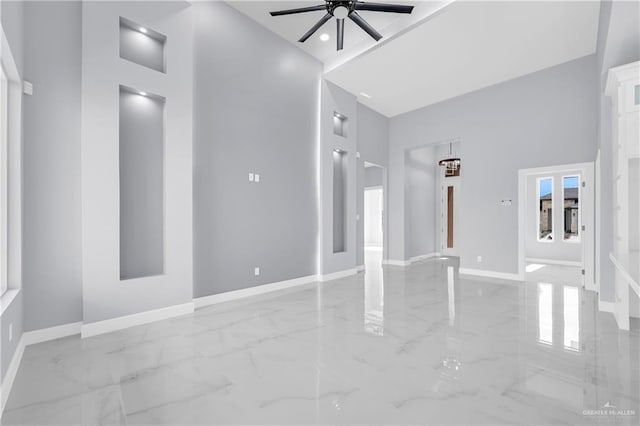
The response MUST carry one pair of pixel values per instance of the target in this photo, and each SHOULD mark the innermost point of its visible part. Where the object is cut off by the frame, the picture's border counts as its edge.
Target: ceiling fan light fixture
(340, 12)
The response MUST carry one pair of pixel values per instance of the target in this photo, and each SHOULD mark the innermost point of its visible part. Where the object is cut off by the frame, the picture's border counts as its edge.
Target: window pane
(545, 214)
(571, 208)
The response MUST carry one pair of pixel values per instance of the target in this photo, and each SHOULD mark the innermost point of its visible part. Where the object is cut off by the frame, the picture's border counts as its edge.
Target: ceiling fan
(341, 9)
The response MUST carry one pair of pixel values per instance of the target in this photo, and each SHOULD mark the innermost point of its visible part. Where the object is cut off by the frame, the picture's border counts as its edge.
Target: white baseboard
(51, 333)
(10, 375)
(119, 323)
(394, 262)
(491, 274)
(606, 306)
(424, 257)
(360, 268)
(553, 262)
(200, 302)
(337, 275)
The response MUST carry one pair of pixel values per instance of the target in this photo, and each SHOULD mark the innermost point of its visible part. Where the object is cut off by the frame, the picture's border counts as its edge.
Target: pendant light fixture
(451, 163)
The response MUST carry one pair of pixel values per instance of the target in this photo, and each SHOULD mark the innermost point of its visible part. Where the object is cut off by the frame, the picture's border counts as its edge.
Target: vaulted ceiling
(444, 49)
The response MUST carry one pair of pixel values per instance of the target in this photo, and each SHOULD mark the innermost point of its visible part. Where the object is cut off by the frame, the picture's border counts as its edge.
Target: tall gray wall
(51, 209)
(544, 118)
(618, 44)
(421, 185)
(255, 111)
(373, 146)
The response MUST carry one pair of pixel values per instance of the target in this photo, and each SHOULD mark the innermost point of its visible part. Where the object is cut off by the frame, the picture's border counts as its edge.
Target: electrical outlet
(479, 259)
(11, 332)
(256, 271)
(250, 177)
(256, 177)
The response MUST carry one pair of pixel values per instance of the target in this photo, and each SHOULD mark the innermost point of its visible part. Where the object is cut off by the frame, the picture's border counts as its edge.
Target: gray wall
(11, 14)
(333, 98)
(618, 44)
(373, 146)
(256, 109)
(373, 176)
(51, 210)
(421, 179)
(544, 118)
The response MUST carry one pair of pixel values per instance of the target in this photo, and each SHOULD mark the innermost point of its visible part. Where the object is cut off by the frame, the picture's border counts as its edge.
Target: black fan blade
(299, 10)
(383, 7)
(340, 36)
(364, 25)
(313, 29)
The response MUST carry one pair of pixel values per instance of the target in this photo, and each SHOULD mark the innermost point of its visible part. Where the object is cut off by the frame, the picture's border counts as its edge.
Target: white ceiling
(467, 46)
(356, 41)
(443, 49)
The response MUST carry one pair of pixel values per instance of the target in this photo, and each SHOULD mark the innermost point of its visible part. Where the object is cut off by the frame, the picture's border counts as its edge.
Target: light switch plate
(256, 271)
(250, 177)
(27, 88)
(256, 177)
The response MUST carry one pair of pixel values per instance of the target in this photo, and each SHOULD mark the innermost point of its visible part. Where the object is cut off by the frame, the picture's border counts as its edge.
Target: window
(545, 208)
(571, 208)
(4, 136)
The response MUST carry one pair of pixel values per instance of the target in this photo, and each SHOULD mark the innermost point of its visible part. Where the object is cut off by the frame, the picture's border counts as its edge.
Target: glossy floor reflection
(391, 346)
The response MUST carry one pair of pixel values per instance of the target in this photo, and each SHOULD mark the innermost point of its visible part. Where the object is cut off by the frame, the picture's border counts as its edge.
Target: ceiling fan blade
(364, 25)
(383, 7)
(340, 37)
(313, 29)
(299, 10)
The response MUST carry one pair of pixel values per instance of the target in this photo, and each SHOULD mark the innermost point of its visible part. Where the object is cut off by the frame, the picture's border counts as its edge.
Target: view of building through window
(545, 217)
(571, 206)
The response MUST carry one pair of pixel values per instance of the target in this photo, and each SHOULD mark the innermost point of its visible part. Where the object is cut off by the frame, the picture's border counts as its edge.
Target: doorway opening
(556, 224)
(373, 216)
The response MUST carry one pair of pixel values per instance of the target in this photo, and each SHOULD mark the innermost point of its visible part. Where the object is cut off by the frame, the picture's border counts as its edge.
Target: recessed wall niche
(142, 45)
(141, 184)
(339, 201)
(340, 124)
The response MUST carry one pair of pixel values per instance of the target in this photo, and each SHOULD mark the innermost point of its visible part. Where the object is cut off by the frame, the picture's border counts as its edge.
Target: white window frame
(579, 240)
(4, 177)
(11, 182)
(537, 211)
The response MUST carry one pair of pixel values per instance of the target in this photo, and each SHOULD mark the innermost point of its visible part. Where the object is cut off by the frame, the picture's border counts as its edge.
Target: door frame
(382, 212)
(456, 182)
(587, 213)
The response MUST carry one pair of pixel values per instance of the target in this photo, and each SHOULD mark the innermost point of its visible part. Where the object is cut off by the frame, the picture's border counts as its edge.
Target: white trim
(394, 262)
(553, 262)
(337, 275)
(113, 324)
(606, 306)
(588, 236)
(491, 274)
(51, 333)
(6, 299)
(10, 375)
(213, 299)
(423, 257)
(360, 268)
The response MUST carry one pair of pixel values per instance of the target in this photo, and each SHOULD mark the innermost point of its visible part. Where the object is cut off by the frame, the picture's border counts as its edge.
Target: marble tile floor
(416, 345)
